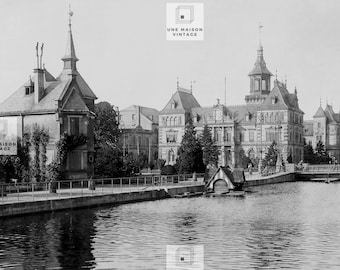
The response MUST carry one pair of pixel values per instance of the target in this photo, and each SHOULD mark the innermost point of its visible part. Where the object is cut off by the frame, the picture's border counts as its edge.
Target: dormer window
(274, 100)
(248, 116)
(29, 90)
(173, 105)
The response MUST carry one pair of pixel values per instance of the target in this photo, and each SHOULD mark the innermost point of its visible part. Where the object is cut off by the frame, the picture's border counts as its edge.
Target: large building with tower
(270, 113)
(62, 104)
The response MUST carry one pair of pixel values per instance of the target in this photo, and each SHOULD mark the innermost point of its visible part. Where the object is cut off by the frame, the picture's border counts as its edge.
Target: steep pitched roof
(84, 87)
(19, 102)
(183, 99)
(54, 90)
(331, 116)
(319, 113)
(284, 100)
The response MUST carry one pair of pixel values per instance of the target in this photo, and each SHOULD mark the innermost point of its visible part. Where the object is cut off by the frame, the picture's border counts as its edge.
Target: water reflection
(292, 226)
(58, 240)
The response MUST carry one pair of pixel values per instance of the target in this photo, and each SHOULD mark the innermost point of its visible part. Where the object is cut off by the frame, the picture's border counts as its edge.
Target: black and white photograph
(164, 134)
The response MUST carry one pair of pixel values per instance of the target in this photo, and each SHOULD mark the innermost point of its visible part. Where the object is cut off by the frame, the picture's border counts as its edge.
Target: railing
(256, 175)
(320, 168)
(23, 192)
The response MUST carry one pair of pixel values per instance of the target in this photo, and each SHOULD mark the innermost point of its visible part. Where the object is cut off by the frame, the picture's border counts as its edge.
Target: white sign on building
(8, 136)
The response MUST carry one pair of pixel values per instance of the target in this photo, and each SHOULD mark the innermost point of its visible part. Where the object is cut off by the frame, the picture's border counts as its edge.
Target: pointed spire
(177, 83)
(260, 65)
(70, 59)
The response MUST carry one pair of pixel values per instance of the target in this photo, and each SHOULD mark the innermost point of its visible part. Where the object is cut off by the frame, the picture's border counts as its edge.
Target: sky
(126, 59)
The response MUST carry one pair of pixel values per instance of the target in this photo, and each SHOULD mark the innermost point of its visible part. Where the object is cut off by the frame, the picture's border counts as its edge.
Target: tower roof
(320, 113)
(70, 57)
(260, 65)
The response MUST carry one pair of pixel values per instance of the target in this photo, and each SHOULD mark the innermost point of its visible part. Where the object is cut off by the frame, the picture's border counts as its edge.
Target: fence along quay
(25, 198)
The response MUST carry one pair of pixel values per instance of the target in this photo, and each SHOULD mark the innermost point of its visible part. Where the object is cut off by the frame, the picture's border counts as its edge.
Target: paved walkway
(100, 190)
(22, 197)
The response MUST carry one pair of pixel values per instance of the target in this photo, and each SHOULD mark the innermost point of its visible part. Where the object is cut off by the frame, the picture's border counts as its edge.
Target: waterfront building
(324, 127)
(269, 114)
(62, 104)
(139, 127)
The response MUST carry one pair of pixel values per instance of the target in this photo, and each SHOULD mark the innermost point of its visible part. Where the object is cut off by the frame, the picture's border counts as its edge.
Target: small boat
(188, 195)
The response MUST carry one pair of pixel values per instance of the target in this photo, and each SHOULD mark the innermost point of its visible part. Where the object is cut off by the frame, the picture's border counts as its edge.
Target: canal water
(290, 225)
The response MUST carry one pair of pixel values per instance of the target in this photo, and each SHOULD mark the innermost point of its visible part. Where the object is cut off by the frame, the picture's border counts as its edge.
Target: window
(251, 135)
(77, 160)
(139, 141)
(218, 134)
(227, 135)
(171, 136)
(175, 121)
(171, 156)
(133, 116)
(74, 126)
(264, 86)
(27, 91)
(319, 125)
(257, 85)
(241, 134)
(271, 135)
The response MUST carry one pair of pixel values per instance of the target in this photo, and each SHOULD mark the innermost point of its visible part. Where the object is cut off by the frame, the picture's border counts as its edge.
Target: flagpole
(225, 91)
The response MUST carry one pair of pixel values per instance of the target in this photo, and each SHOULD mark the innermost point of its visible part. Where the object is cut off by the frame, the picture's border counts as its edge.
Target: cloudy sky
(126, 59)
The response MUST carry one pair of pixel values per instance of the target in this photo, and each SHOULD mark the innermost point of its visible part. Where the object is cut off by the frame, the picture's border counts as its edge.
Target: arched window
(171, 156)
(257, 84)
(175, 121)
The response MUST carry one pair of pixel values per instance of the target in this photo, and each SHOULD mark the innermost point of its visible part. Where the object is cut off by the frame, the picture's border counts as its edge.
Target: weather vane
(70, 14)
(260, 26)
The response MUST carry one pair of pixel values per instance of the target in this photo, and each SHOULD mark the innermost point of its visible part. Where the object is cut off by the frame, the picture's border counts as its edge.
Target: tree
(190, 154)
(106, 127)
(308, 153)
(321, 153)
(271, 155)
(209, 148)
(108, 161)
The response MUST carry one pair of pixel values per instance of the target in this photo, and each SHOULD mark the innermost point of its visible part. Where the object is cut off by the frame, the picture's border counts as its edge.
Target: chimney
(38, 84)
(39, 77)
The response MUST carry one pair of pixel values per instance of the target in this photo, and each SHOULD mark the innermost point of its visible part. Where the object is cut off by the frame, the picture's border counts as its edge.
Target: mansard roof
(184, 101)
